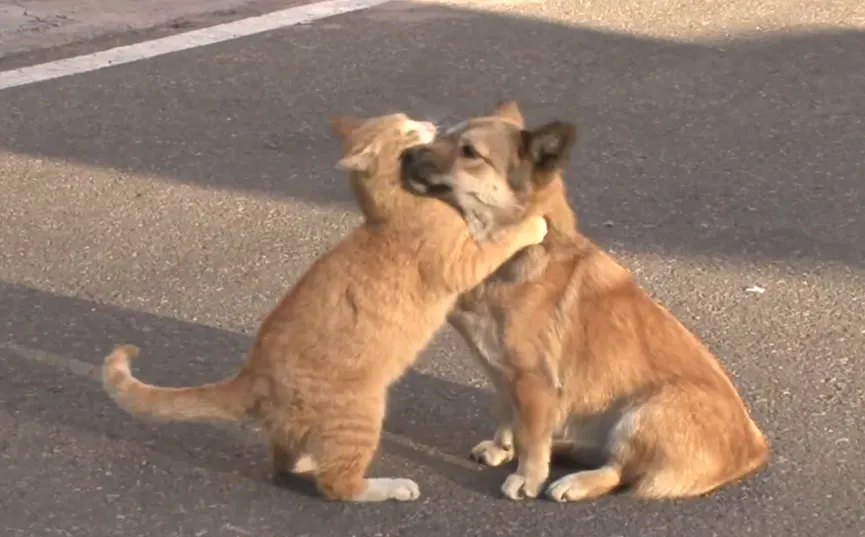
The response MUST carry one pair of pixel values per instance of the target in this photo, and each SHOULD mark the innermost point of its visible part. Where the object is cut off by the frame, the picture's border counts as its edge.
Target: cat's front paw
(535, 229)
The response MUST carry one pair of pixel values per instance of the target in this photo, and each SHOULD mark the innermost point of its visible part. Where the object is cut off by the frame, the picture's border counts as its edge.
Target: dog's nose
(412, 156)
(415, 169)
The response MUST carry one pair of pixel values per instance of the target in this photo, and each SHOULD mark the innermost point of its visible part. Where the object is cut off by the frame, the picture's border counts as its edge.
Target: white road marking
(94, 372)
(250, 429)
(197, 38)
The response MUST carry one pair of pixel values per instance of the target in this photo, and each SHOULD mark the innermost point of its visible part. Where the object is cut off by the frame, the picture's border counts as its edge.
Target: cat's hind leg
(343, 449)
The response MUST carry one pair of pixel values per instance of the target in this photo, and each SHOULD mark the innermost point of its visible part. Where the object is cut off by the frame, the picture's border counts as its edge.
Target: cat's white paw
(380, 489)
(536, 228)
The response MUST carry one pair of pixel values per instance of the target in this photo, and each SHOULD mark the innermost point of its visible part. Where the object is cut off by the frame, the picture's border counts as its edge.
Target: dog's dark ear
(343, 126)
(509, 110)
(549, 147)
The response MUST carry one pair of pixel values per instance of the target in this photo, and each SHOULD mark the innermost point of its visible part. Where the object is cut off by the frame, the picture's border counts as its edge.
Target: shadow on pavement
(49, 379)
(49, 373)
(749, 147)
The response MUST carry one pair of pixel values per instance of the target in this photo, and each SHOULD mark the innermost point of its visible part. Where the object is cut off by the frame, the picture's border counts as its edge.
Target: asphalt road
(169, 203)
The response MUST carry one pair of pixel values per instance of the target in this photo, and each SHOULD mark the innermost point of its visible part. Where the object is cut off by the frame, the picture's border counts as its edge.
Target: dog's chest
(482, 332)
(482, 315)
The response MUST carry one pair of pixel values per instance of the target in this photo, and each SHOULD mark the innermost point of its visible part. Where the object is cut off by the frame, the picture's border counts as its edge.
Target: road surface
(170, 202)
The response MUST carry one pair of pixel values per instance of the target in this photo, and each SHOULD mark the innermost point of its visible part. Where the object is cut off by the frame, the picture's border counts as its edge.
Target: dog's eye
(468, 151)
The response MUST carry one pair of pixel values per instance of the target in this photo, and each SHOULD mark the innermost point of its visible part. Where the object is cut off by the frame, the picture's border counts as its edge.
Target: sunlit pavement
(170, 202)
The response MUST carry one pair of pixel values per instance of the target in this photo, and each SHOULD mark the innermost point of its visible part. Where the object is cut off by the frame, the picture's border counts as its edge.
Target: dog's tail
(231, 399)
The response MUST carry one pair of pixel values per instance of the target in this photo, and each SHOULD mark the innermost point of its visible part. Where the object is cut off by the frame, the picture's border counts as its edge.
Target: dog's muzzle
(422, 170)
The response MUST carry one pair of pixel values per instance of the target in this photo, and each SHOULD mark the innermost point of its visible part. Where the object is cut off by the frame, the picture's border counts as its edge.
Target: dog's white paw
(517, 487)
(381, 489)
(491, 453)
(567, 489)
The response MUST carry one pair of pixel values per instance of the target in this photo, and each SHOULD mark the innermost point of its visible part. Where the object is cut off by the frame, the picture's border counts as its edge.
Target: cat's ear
(344, 126)
(357, 161)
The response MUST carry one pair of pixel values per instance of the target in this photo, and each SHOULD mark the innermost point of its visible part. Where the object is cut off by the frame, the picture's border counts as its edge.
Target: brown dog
(583, 361)
(318, 374)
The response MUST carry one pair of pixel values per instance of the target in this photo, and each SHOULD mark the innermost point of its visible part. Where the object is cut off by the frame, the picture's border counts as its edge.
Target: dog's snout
(425, 167)
(415, 172)
(412, 156)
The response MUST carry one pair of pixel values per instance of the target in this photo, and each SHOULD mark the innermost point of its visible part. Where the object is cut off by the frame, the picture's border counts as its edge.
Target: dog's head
(490, 167)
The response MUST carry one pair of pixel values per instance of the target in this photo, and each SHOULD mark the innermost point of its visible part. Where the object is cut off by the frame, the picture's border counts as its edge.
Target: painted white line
(94, 372)
(71, 365)
(187, 40)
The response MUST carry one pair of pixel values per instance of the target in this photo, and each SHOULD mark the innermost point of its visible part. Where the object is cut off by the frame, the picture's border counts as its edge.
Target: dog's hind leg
(586, 484)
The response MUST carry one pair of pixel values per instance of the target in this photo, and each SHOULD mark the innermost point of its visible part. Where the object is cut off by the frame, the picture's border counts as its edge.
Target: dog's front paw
(518, 487)
(491, 453)
(567, 489)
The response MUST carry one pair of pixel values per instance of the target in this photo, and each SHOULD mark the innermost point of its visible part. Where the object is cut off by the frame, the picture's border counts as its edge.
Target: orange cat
(318, 373)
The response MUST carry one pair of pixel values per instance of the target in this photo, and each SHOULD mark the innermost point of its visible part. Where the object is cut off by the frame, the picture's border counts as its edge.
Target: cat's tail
(231, 399)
